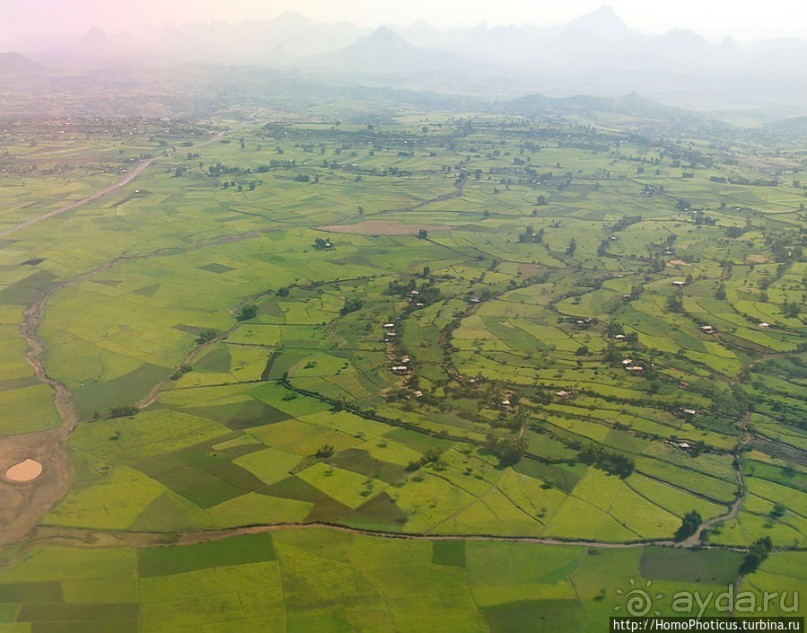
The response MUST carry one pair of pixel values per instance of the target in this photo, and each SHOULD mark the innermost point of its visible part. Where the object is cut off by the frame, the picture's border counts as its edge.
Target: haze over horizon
(37, 24)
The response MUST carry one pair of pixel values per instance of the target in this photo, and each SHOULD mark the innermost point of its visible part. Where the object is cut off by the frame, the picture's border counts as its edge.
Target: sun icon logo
(638, 601)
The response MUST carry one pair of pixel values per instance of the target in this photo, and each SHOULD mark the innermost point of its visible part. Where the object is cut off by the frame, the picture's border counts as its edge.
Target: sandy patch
(678, 262)
(27, 470)
(383, 227)
(758, 259)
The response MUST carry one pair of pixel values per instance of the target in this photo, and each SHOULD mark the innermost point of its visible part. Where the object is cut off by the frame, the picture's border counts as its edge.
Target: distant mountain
(795, 125)
(595, 54)
(645, 112)
(386, 52)
(95, 37)
(603, 24)
(12, 63)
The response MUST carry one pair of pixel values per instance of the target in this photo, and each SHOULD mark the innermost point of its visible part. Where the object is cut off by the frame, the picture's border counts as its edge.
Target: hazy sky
(38, 22)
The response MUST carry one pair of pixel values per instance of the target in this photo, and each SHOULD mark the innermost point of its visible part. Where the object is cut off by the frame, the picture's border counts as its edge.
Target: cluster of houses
(629, 365)
(684, 445)
(413, 298)
(389, 332)
(401, 367)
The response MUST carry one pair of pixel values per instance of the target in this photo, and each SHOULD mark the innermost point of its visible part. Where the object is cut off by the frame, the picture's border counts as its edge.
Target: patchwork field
(495, 374)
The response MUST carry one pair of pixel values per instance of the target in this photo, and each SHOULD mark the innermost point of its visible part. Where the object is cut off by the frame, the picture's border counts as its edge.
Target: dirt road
(125, 180)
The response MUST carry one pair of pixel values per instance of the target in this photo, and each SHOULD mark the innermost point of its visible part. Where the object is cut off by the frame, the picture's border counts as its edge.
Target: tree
(689, 525)
(247, 312)
(572, 247)
(123, 412)
(324, 451)
(791, 310)
(206, 336)
(423, 234)
(675, 304)
(351, 305)
(756, 555)
(509, 449)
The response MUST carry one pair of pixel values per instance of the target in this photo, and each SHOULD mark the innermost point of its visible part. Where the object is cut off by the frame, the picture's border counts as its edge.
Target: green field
(499, 334)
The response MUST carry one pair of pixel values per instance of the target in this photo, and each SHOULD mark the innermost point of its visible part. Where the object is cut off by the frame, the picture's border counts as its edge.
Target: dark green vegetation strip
(31, 592)
(240, 550)
(73, 612)
(541, 616)
(713, 566)
(87, 626)
(448, 553)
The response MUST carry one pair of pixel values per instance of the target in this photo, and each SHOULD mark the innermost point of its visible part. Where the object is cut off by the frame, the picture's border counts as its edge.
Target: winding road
(125, 180)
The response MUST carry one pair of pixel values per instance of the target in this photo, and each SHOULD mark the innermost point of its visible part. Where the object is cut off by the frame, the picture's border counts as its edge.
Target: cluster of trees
(206, 336)
(323, 244)
(247, 312)
(791, 310)
(221, 170)
(756, 555)
(626, 221)
(324, 451)
(689, 525)
(183, 369)
(675, 303)
(427, 294)
(430, 457)
(702, 219)
(123, 412)
(509, 450)
(352, 304)
(610, 462)
(529, 235)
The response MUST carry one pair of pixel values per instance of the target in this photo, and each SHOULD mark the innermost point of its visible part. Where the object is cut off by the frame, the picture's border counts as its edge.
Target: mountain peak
(94, 37)
(16, 63)
(603, 22)
(385, 35)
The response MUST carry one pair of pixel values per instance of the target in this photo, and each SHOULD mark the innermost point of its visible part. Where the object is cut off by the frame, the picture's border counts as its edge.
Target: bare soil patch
(25, 471)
